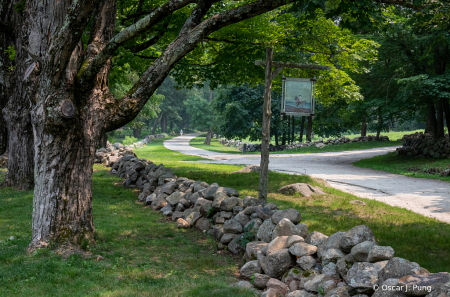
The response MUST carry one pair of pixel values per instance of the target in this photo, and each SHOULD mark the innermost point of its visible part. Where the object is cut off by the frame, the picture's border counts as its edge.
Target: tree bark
(136, 133)
(446, 107)
(309, 128)
(283, 124)
(440, 119)
(209, 135)
(155, 124)
(302, 127)
(267, 114)
(364, 127)
(276, 137)
(164, 123)
(380, 123)
(431, 123)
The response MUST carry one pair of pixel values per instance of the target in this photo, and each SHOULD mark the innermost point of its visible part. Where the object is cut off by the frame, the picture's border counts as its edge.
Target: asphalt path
(425, 196)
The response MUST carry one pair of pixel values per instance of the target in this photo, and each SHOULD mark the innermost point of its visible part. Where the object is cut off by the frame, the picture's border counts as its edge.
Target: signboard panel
(298, 96)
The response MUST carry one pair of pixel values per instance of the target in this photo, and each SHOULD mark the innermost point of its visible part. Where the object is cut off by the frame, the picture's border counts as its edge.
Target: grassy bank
(408, 166)
(144, 255)
(215, 146)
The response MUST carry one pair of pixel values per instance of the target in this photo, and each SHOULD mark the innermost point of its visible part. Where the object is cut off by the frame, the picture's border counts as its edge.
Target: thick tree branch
(89, 72)
(196, 16)
(126, 109)
(147, 44)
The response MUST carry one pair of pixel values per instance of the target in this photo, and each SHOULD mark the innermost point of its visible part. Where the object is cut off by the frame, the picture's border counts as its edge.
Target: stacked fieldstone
(319, 144)
(423, 144)
(282, 257)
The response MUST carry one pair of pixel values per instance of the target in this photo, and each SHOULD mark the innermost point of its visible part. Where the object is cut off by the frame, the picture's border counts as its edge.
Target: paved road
(425, 196)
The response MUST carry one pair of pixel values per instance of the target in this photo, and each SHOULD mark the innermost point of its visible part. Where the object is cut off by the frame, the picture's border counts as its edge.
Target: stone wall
(283, 257)
(423, 144)
(319, 144)
(4, 160)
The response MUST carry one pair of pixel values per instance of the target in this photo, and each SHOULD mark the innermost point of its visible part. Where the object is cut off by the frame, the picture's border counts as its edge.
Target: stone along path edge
(428, 197)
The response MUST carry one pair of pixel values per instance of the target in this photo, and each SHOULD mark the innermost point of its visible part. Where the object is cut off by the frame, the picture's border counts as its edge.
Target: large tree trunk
(309, 128)
(445, 105)
(136, 133)
(267, 114)
(380, 123)
(164, 123)
(431, 123)
(440, 119)
(155, 124)
(209, 135)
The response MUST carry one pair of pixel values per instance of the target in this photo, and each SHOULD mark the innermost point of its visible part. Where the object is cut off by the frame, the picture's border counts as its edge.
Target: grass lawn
(408, 166)
(144, 255)
(217, 147)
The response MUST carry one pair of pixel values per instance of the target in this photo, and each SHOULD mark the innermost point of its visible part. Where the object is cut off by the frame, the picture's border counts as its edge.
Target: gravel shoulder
(424, 196)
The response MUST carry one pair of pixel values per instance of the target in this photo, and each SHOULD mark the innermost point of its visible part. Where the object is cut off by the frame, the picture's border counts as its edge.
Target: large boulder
(229, 203)
(380, 253)
(193, 217)
(210, 192)
(285, 228)
(398, 268)
(174, 198)
(253, 248)
(252, 201)
(390, 288)
(250, 268)
(356, 235)
(232, 226)
(363, 276)
(301, 249)
(344, 264)
(276, 263)
(235, 245)
(304, 190)
(278, 243)
(316, 238)
(360, 252)
(218, 198)
(423, 284)
(291, 214)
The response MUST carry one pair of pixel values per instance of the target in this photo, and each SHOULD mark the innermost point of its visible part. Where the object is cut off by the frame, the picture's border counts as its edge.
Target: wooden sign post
(267, 112)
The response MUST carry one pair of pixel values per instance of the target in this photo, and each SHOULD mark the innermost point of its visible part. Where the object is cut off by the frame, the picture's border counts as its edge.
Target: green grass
(408, 166)
(215, 146)
(146, 255)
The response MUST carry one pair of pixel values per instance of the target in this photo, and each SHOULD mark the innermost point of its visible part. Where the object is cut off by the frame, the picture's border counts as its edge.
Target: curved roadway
(425, 196)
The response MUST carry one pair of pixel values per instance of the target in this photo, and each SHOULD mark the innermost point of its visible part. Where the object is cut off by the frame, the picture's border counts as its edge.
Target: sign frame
(283, 96)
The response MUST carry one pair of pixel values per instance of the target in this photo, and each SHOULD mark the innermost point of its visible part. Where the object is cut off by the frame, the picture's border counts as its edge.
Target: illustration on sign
(298, 96)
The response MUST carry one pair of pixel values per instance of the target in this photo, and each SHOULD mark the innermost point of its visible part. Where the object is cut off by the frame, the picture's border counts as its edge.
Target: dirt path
(425, 196)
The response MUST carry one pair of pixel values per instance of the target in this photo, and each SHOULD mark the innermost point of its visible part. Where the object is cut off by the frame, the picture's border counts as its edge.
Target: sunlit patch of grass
(408, 166)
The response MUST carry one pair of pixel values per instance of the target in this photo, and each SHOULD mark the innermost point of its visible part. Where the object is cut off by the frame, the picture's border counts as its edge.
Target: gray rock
(303, 189)
(232, 226)
(159, 202)
(313, 284)
(235, 246)
(242, 284)
(176, 215)
(263, 213)
(218, 232)
(278, 286)
(291, 214)
(279, 243)
(329, 285)
(266, 230)
(182, 223)
(316, 238)
(228, 203)
(443, 291)
(303, 229)
(193, 198)
(253, 225)
(231, 192)
(210, 192)
(301, 249)
(251, 201)
(237, 209)
(338, 292)
(242, 219)
(174, 198)
(293, 239)
(260, 280)
(380, 253)
(271, 206)
(218, 198)
(276, 263)
(226, 215)
(193, 217)
(356, 235)
(252, 249)
(167, 210)
(398, 268)
(206, 207)
(361, 251)
(203, 224)
(285, 228)
(250, 268)
(344, 264)
(362, 277)
(331, 270)
(150, 199)
(180, 207)
(332, 256)
(300, 293)
(306, 262)
(169, 188)
(227, 237)
(248, 210)
(423, 284)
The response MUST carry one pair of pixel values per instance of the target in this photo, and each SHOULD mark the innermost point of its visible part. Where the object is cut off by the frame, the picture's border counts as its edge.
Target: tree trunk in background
(309, 128)
(293, 130)
(380, 123)
(440, 119)
(431, 124)
(5, 64)
(283, 137)
(3, 130)
(446, 107)
(136, 133)
(267, 114)
(102, 141)
(18, 118)
(164, 123)
(364, 127)
(209, 135)
(302, 127)
(155, 124)
(276, 137)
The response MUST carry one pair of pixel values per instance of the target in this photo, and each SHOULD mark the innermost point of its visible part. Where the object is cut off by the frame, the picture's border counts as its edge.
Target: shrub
(129, 140)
